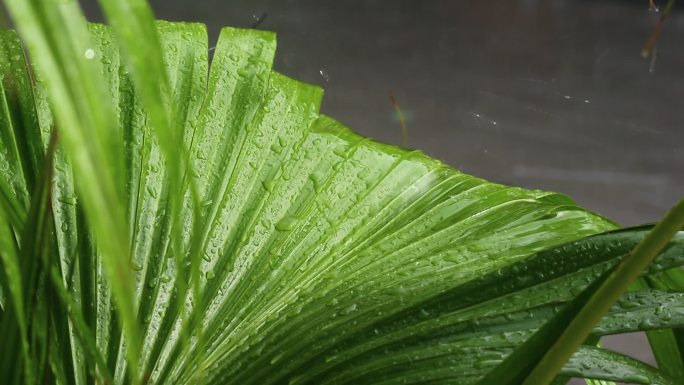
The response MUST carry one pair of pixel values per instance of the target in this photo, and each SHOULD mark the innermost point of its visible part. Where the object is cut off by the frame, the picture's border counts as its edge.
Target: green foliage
(164, 221)
(542, 356)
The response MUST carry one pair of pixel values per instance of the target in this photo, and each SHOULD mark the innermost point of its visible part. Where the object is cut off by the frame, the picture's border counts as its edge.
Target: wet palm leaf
(210, 226)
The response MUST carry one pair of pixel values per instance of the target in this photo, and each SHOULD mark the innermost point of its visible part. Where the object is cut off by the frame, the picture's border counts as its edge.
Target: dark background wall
(542, 94)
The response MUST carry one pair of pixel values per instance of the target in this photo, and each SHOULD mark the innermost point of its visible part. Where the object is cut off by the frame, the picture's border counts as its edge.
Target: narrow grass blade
(69, 69)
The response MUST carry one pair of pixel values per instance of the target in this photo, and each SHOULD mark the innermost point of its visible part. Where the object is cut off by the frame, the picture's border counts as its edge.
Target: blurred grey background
(541, 94)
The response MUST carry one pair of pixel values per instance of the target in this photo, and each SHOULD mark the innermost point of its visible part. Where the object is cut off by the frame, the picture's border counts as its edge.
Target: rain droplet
(340, 152)
(268, 185)
(286, 224)
(637, 379)
(317, 180)
(325, 75)
(349, 309)
(89, 53)
(152, 191)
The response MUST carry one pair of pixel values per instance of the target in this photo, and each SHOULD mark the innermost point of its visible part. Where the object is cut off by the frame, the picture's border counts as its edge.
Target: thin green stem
(626, 272)
(402, 119)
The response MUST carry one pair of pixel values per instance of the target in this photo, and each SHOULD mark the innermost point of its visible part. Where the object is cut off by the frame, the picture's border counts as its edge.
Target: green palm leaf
(208, 225)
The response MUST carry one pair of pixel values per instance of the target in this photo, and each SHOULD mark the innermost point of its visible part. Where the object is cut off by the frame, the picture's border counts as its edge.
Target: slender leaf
(540, 359)
(668, 344)
(19, 159)
(78, 97)
(606, 294)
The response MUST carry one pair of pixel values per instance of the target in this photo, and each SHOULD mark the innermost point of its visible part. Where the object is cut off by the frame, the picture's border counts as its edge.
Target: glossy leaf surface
(279, 247)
